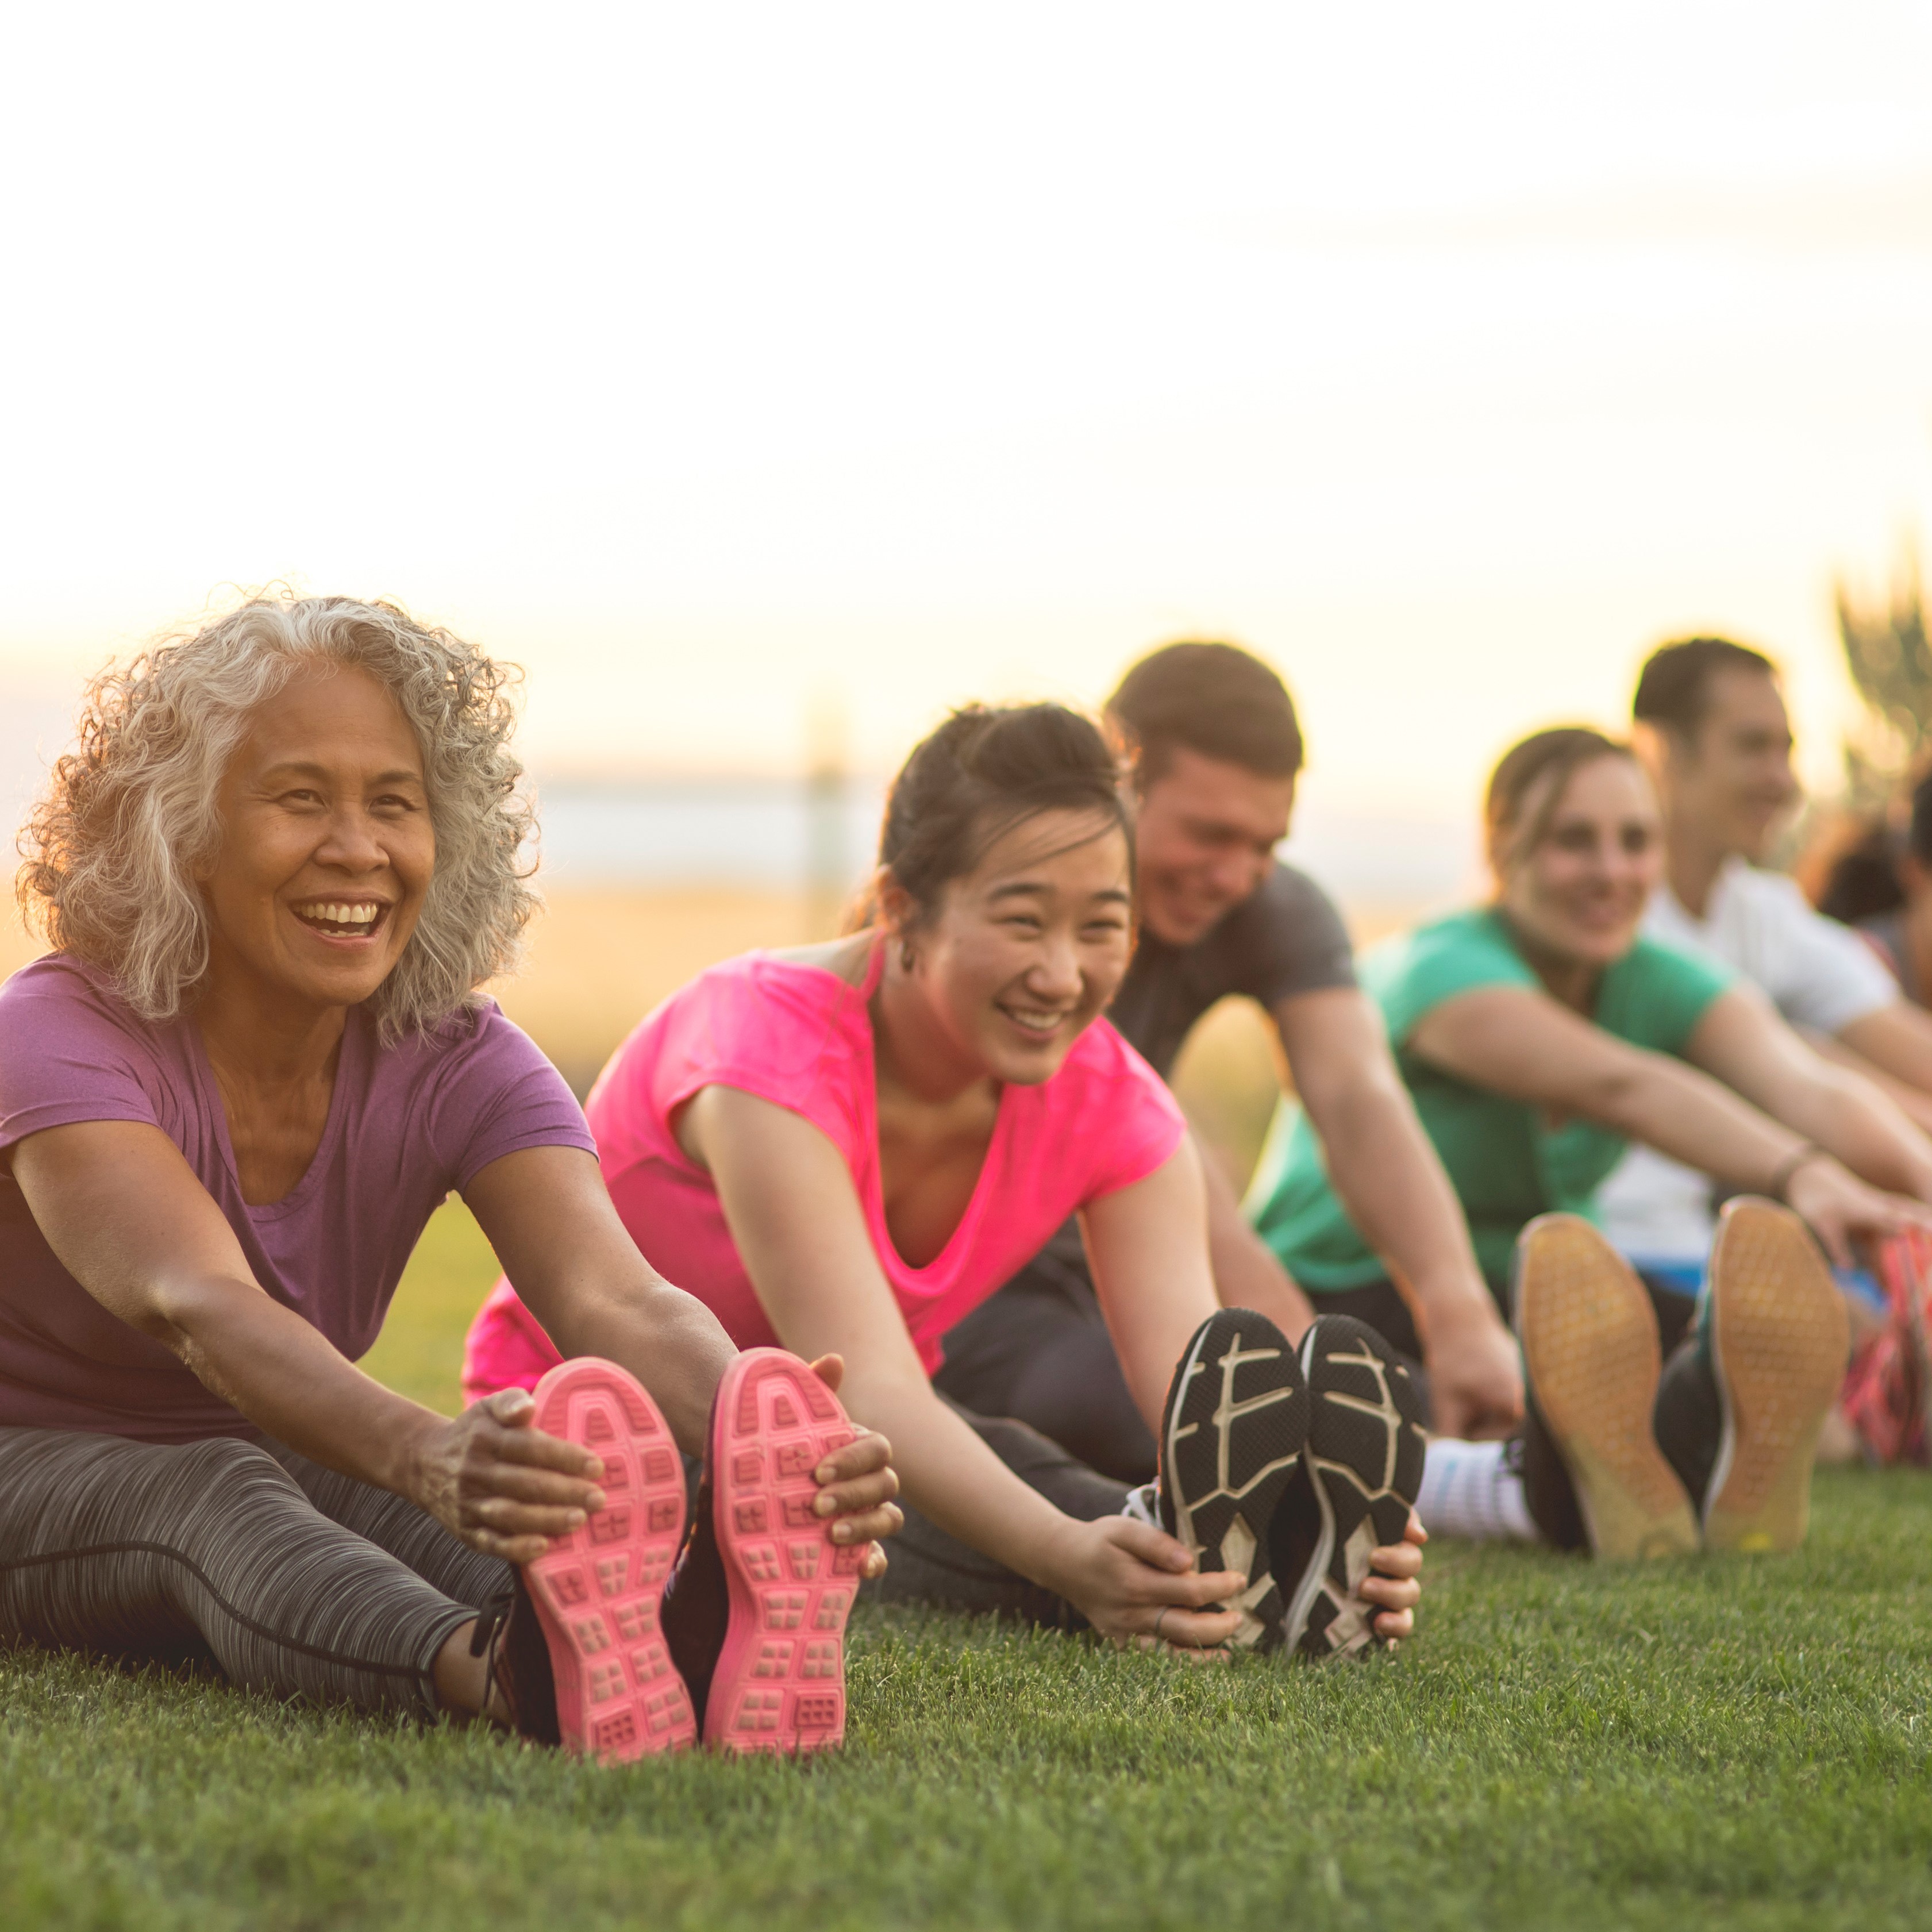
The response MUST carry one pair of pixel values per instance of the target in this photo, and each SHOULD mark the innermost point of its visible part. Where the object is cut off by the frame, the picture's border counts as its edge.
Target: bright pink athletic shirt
(801, 1037)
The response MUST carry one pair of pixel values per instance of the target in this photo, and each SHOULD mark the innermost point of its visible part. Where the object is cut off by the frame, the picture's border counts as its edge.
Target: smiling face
(1579, 893)
(1732, 777)
(327, 848)
(1026, 949)
(1204, 835)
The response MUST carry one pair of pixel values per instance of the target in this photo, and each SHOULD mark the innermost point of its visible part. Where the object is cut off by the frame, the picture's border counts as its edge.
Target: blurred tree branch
(1890, 660)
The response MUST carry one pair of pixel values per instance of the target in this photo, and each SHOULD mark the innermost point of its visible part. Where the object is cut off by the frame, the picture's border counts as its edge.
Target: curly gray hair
(113, 846)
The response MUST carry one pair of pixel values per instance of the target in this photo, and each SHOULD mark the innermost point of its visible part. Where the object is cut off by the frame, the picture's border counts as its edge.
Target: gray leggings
(291, 1578)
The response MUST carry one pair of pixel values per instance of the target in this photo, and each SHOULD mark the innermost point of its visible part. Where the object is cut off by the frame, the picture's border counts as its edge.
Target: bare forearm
(1693, 1119)
(1389, 1179)
(668, 1339)
(1850, 1118)
(1914, 1103)
(952, 1478)
(289, 1380)
(1247, 1273)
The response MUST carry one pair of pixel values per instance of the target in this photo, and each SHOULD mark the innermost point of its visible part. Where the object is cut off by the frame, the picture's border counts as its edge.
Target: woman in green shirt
(1540, 1034)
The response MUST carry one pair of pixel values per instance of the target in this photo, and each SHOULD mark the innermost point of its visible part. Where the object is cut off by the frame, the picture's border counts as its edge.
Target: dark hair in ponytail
(983, 772)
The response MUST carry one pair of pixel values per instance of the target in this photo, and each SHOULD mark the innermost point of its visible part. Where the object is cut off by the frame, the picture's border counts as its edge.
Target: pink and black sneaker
(596, 1592)
(755, 1614)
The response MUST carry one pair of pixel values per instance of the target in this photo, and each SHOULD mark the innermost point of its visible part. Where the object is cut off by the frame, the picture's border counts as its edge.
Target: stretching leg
(212, 1549)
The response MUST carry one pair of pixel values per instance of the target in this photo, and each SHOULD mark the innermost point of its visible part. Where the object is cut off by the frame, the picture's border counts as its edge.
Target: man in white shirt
(1711, 727)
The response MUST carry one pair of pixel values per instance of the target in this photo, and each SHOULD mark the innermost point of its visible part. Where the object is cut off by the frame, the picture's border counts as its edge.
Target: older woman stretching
(276, 872)
(851, 1145)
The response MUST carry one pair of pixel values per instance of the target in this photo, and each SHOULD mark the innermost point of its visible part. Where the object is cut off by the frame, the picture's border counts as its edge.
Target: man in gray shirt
(1211, 750)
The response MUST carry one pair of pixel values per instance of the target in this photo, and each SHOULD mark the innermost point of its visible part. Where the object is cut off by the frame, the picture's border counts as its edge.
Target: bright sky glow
(711, 359)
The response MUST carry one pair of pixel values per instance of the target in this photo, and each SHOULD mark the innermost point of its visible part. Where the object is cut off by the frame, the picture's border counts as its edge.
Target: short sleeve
(1117, 1109)
(1411, 976)
(1654, 996)
(497, 1094)
(1829, 976)
(69, 1052)
(775, 1029)
(1286, 940)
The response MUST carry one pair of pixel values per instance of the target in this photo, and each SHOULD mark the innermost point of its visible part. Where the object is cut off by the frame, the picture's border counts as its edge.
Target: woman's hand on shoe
(1841, 1209)
(493, 1478)
(857, 1484)
(1133, 1582)
(1394, 1582)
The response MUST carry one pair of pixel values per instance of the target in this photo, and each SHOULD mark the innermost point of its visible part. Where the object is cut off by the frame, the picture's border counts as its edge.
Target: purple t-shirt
(407, 1123)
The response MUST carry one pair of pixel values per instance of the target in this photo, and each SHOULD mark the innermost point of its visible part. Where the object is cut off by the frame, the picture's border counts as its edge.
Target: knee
(225, 1466)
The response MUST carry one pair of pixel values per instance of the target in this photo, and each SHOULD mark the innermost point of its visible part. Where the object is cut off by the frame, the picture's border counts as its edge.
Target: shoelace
(485, 1641)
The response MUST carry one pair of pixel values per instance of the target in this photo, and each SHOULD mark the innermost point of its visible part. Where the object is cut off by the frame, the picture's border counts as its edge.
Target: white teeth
(336, 913)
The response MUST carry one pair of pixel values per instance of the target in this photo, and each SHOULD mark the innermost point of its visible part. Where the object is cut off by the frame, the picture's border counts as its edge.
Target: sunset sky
(717, 362)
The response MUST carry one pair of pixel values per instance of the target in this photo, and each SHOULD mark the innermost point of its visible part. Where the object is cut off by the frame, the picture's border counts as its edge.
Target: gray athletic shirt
(1286, 939)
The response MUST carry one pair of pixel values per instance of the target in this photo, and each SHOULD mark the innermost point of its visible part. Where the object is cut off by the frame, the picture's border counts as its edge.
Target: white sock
(1469, 1490)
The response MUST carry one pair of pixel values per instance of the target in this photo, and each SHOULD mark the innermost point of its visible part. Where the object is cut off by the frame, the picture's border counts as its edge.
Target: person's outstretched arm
(126, 1216)
(550, 1218)
(1892, 1048)
(1525, 1045)
(1388, 1178)
(788, 1199)
(1247, 1273)
(1743, 1041)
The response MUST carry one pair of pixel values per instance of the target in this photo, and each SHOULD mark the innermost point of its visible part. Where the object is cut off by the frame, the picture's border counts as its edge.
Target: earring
(906, 956)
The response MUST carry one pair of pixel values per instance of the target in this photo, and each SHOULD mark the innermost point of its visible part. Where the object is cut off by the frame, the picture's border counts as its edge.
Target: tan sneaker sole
(1589, 1343)
(1779, 1337)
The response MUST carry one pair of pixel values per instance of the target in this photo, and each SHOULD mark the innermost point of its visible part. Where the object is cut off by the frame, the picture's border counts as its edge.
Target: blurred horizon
(708, 363)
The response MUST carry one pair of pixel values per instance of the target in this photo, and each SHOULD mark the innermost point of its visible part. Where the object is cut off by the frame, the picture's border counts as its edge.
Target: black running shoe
(1230, 1437)
(1354, 1488)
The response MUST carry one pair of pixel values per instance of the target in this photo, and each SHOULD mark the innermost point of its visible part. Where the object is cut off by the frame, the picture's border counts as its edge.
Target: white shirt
(1818, 974)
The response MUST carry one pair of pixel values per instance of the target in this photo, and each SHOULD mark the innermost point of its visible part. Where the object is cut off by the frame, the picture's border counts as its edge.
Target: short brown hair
(1556, 754)
(1673, 689)
(1215, 699)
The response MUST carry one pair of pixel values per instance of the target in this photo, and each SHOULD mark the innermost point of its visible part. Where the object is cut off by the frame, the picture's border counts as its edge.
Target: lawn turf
(1734, 1743)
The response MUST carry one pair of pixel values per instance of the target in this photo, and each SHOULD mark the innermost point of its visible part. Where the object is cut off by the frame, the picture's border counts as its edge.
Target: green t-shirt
(1508, 1162)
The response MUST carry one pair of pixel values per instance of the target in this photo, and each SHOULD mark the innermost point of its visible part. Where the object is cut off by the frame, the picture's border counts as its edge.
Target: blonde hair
(114, 846)
(1540, 768)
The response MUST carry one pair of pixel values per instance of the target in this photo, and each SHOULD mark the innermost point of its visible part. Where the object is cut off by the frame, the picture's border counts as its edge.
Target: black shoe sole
(1231, 1440)
(1360, 1474)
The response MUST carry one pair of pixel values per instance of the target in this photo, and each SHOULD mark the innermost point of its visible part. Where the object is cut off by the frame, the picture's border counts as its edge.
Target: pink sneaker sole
(780, 1682)
(597, 1590)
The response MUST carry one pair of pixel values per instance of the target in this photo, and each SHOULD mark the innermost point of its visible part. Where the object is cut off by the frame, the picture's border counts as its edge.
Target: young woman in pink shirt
(847, 1146)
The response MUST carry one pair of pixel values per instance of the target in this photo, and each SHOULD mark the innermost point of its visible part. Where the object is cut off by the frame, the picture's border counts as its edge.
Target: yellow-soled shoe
(1592, 1360)
(1779, 1337)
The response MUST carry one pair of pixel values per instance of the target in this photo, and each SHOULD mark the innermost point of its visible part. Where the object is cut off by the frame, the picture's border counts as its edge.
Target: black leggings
(293, 1580)
(1039, 1352)
(928, 1566)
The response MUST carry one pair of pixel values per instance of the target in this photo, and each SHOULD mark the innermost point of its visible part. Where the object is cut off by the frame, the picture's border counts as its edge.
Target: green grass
(1738, 1744)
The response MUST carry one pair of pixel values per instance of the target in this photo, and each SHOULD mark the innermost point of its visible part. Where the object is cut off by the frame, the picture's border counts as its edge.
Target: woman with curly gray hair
(275, 873)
